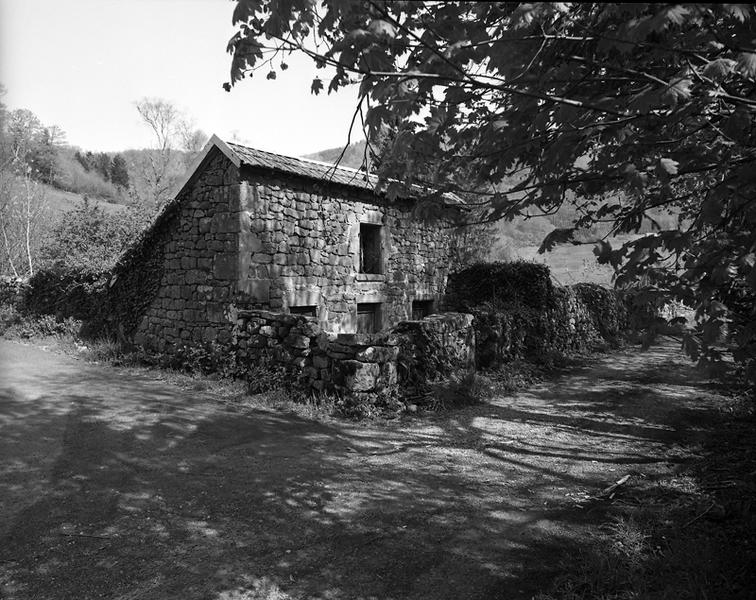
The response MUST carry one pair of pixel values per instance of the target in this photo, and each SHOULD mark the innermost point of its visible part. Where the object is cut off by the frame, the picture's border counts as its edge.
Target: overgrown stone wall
(578, 319)
(300, 246)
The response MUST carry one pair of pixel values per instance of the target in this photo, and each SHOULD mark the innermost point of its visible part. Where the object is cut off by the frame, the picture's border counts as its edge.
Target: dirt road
(116, 485)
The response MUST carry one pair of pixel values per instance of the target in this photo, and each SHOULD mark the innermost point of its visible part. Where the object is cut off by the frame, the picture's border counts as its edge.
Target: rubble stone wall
(300, 247)
(435, 348)
(197, 242)
(316, 360)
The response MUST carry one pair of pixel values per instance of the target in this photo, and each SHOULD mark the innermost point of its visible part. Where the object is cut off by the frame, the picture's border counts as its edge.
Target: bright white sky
(81, 64)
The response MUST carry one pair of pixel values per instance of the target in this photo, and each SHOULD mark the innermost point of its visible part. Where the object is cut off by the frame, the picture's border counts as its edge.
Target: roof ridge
(307, 160)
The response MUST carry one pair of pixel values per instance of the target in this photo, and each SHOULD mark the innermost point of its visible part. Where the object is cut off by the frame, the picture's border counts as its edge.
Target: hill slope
(353, 156)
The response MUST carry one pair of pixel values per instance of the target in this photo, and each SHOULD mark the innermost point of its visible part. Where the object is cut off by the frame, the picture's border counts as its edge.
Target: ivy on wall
(110, 303)
(521, 315)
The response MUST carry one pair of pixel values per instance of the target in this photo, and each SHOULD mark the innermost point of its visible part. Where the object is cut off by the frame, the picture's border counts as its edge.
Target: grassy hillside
(59, 202)
(571, 264)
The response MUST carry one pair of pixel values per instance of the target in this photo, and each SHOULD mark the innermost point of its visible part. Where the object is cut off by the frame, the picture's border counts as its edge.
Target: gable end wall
(200, 271)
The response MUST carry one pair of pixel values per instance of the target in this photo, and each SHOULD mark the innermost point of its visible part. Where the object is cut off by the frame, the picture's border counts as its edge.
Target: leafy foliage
(566, 103)
(110, 168)
(15, 323)
(500, 283)
(88, 239)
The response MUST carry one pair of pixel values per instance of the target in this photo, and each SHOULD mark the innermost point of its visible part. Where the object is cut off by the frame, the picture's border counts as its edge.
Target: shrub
(264, 376)
(15, 324)
(500, 283)
(606, 307)
(74, 293)
(367, 405)
(514, 331)
(89, 239)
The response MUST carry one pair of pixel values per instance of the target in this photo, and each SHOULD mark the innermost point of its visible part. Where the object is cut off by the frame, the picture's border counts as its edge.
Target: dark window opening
(370, 248)
(421, 309)
(309, 311)
(368, 317)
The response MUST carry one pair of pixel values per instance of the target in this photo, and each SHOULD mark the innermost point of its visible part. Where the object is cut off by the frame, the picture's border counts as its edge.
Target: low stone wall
(354, 364)
(437, 347)
(343, 363)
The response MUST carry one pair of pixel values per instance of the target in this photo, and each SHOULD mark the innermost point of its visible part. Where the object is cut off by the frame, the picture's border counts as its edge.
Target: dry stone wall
(317, 361)
(300, 247)
(435, 348)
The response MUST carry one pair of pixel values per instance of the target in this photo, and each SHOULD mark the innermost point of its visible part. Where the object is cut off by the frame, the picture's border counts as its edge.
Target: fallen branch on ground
(608, 492)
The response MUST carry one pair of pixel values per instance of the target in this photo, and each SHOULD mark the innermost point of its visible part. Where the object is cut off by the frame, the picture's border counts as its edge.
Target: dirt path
(115, 485)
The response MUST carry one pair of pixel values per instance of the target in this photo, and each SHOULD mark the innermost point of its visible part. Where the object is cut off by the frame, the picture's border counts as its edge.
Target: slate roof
(304, 167)
(321, 171)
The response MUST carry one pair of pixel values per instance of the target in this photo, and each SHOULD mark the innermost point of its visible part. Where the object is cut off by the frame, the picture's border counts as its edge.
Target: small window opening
(309, 311)
(370, 248)
(368, 317)
(421, 309)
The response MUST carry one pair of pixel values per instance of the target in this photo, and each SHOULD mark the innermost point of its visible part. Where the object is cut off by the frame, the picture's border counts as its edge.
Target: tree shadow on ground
(141, 490)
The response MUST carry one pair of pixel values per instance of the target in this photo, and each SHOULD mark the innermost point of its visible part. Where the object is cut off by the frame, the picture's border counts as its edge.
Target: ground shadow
(143, 490)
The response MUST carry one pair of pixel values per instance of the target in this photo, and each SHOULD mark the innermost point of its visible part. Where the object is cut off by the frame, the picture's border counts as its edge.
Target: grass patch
(691, 534)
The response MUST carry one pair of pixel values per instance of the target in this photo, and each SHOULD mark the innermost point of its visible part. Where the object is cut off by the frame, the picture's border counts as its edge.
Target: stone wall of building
(196, 241)
(300, 249)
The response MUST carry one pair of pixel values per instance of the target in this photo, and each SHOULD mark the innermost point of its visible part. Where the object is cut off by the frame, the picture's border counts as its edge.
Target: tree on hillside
(564, 100)
(32, 144)
(161, 118)
(119, 173)
(191, 140)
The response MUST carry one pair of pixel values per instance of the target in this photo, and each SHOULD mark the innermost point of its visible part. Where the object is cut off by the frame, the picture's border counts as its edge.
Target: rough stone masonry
(254, 230)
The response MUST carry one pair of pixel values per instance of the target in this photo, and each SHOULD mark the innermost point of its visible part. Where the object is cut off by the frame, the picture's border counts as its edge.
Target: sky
(81, 65)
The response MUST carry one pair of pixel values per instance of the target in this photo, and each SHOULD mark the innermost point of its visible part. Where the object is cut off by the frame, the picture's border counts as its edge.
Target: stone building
(255, 230)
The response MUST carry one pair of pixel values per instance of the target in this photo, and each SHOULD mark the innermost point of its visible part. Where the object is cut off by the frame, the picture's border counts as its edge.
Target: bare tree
(173, 132)
(22, 199)
(22, 208)
(191, 139)
(161, 117)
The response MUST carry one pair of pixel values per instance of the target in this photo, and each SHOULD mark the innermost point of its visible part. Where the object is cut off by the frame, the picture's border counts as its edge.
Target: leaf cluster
(499, 284)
